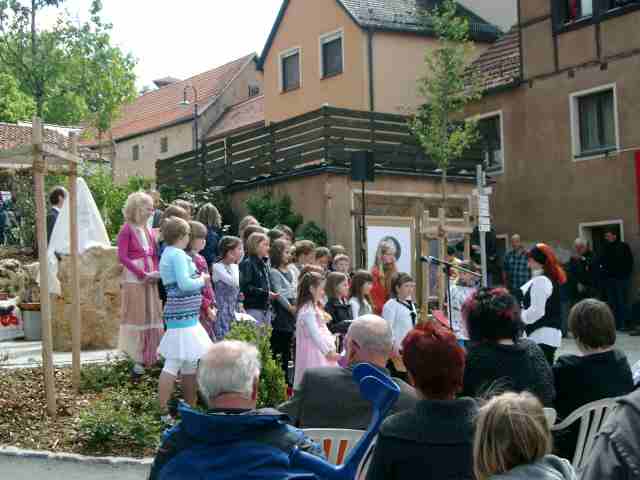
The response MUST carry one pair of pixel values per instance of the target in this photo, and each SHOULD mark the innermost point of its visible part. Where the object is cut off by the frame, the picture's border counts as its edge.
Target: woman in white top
(360, 300)
(541, 306)
(400, 310)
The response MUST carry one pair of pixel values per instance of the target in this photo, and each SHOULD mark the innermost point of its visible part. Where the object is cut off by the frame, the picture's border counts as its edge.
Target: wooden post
(75, 276)
(442, 254)
(39, 170)
(467, 237)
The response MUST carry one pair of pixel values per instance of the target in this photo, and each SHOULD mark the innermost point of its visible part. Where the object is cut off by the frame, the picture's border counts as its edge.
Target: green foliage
(71, 71)
(272, 381)
(14, 104)
(447, 90)
(270, 211)
(125, 415)
(312, 231)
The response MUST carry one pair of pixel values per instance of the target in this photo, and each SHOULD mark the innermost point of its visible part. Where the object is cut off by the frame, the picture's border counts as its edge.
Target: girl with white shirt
(541, 306)
(226, 282)
(400, 311)
(315, 346)
(360, 300)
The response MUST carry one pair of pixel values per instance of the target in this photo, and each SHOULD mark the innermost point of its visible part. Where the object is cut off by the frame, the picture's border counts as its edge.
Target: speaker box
(362, 167)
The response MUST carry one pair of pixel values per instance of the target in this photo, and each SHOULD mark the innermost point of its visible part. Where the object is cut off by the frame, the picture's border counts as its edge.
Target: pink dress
(208, 297)
(313, 341)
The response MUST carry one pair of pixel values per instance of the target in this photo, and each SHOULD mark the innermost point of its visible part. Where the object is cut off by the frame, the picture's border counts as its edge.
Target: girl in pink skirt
(315, 346)
(141, 323)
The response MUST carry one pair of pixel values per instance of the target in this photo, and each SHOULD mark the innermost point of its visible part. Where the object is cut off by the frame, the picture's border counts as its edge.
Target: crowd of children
(307, 294)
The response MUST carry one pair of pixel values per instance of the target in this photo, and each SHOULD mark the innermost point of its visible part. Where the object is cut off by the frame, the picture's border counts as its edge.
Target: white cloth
(459, 295)
(91, 232)
(540, 289)
(185, 344)
(295, 276)
(398, 316)
(356, 310)
(229, 274)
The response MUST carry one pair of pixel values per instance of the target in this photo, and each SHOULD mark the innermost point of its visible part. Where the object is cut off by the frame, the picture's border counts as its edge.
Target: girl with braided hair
(499, 359)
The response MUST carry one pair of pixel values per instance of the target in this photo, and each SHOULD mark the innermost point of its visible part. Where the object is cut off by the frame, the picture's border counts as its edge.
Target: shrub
(96, 378)
(312, 231)
(270, 211)
(272, 381)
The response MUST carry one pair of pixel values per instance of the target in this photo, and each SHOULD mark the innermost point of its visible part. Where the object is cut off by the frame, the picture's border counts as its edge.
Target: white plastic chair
(551, 415)
(336, 442)
(592, 418)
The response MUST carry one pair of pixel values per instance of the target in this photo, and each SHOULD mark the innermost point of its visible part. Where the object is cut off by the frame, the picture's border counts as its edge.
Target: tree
(447, 89)
(14, 104)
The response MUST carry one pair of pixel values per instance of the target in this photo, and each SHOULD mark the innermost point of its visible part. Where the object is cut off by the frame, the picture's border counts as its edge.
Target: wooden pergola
(41, 157)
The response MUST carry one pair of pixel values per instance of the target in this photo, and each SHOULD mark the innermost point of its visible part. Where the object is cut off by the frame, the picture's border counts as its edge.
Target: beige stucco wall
(576, 47)
(618, 34)
(303, 24)
(532, 9)
(180, 140)
(537, 49)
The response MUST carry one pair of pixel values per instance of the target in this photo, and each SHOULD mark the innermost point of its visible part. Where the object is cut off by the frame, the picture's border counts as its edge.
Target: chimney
(163, 82)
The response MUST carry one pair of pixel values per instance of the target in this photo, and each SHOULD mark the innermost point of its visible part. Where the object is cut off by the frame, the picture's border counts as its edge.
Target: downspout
(372, 106)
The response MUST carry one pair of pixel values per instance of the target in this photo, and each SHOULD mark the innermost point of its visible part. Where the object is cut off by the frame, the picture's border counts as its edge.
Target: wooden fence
(323, 137)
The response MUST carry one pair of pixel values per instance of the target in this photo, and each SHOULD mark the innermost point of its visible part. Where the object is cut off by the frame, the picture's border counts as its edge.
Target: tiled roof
(13, 136)
(499, 66)
(407, 15)
(248, 113)
(162, 106)
(398, 15)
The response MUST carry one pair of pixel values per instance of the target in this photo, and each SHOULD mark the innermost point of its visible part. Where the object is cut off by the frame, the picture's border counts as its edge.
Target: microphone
(430, 259)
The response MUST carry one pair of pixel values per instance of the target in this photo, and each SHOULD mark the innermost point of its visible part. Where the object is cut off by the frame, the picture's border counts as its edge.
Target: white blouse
(399, 318)
(357, 310)
(229, 274)
(540, 288)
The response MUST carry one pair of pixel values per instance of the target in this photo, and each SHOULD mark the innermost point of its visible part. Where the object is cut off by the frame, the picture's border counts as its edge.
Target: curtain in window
(589, 123)
(332, 57)
(291, 72)
(608, 120)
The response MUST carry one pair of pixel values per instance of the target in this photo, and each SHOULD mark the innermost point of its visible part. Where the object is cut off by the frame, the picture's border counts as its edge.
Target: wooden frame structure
(40, 156)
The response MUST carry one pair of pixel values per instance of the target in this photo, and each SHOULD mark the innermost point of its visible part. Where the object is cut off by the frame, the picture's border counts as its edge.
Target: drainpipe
(372, 105)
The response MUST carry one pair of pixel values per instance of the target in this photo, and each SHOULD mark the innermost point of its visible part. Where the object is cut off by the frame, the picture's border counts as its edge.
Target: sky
(184, 38)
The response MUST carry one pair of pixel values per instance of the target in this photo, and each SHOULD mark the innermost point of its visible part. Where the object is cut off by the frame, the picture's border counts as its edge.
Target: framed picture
(398, 231)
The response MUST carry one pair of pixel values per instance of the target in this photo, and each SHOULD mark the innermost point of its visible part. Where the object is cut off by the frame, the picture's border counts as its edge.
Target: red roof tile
(162, 106)
(499, 65)
(13, 136)
(245, 114)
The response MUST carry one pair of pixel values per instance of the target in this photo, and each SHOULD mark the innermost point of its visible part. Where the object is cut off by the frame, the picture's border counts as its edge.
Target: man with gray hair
(232, 440)
(516, 267)
(328, 397)
(581, 282)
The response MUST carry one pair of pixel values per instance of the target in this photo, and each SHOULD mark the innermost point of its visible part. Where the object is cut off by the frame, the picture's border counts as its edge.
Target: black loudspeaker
(363, 167)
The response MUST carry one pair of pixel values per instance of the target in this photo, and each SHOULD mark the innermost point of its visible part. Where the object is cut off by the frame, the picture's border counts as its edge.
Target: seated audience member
(233, 437)
(435, 438)
(616, 451)
(513, 442)
(498, 358)
(329, 398)
(322, 258)
(600, 371)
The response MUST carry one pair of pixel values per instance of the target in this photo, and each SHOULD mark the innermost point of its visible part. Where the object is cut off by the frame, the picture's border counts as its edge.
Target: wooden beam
(55, 152)
(75, 276)
(39, 171)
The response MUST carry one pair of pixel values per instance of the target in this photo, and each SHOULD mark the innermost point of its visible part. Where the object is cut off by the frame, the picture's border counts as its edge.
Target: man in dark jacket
(233, 440)
(616, 452)
(329, 397)
(581, 276)
(616, 265)
(56, 198)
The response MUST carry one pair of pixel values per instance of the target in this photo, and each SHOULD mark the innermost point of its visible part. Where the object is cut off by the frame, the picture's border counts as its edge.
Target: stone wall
(100, 297)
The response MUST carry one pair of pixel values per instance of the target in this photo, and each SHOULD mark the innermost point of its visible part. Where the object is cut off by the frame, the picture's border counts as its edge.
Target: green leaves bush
(272, 381)
(271, 211)
(312, 231)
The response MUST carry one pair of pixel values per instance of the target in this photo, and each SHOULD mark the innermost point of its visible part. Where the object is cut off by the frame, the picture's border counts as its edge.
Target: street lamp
(185, 103)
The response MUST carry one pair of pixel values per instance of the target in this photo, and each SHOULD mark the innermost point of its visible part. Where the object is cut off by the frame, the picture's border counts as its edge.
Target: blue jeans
(617, 290)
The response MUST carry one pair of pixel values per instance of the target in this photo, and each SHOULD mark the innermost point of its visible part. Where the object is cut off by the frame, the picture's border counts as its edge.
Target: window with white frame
(491, 141)
(594, 122)
(331, 54)
(290, 72)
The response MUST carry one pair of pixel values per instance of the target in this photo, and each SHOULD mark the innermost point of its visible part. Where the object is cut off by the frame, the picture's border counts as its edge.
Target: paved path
(22, 354)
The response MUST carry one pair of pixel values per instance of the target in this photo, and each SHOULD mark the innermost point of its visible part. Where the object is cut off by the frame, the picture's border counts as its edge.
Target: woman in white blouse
(360, 300)
(541, 306)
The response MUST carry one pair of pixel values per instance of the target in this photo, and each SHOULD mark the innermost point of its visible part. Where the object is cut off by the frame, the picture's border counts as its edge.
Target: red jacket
(379, 293)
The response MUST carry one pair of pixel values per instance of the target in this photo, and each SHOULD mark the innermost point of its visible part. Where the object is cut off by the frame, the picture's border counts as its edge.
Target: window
(164, 144)
(290, 70)
(254, 91)
(577, 9)
(331, 55)
(135, 152)
(594, 121)
(571, 11)
(490, 130)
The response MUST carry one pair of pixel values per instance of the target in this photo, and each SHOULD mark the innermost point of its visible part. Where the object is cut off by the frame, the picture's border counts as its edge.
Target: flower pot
(32, 321)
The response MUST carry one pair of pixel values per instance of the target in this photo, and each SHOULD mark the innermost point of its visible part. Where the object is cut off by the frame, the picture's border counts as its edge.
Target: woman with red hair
(434, 439)
(542, 313)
